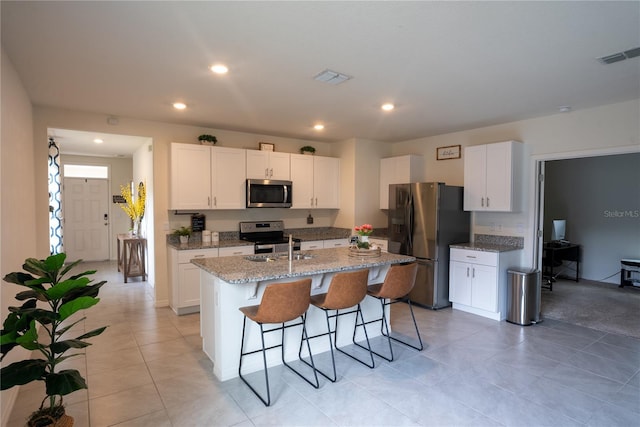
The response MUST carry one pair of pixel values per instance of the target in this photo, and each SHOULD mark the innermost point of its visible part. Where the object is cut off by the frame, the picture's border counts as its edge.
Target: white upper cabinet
(493, 176)
(316, 182)
(228, 178)
(205, 177)
(190, 176)
(268, 165)
(398, 170)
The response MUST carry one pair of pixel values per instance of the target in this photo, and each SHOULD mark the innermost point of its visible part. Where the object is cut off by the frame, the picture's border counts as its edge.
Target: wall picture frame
(267, 146)
(448, 152)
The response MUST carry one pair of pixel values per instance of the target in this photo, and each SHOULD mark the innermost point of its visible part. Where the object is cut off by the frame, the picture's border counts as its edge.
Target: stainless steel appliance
(424, 219)
(269, 193)
(267, 236)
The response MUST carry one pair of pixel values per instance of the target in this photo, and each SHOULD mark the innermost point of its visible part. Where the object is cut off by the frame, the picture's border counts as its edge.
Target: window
(85, 171)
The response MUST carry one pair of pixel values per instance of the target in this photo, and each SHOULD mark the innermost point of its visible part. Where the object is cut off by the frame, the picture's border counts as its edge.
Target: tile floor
(147, 369)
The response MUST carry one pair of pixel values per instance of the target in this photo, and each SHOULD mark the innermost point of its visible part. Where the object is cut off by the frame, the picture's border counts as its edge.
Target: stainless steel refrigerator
(424, 219)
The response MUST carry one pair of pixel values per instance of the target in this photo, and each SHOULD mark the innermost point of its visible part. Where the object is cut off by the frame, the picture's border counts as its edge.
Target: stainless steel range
(267, 236)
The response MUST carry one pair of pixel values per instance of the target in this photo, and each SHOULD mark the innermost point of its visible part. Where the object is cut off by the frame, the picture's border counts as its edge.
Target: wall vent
(620, 56)
(332, 77)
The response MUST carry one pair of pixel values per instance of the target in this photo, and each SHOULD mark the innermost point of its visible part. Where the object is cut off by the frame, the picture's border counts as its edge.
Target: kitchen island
(232, 282)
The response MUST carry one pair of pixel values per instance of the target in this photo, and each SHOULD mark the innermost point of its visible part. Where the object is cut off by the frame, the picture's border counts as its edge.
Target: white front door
(86, 219)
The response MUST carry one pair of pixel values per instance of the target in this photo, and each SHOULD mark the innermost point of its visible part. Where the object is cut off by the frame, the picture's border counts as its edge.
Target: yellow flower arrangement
(133, 208)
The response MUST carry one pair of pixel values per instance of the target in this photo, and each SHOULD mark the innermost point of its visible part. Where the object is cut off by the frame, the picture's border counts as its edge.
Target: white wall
(607, 128)
(17, 198)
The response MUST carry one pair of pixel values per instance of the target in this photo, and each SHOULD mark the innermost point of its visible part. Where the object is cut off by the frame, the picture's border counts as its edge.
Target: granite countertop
(239, 269)
(230, 238)
(485, 247)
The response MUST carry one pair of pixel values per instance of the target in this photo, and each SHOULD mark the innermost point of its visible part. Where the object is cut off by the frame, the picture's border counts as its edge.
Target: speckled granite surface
(491, 243)
(238, 269)
(230, 238)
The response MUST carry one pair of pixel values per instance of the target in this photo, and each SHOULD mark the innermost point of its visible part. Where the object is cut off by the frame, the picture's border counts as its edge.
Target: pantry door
(86, 219)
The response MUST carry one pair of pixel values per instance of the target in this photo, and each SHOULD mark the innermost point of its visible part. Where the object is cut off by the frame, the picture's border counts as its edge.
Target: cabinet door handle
(487, 202)
(199, 256)
(482, 202)
(467, 271)
(316, 201)
(473, 273)
(208, 201)
(270, 172)
(266, 172)
(311, 201)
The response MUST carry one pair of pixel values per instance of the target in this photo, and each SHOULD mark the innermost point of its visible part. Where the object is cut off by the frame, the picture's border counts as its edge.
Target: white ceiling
(447, 66)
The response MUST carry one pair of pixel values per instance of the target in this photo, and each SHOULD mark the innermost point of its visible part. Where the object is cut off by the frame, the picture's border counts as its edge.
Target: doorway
(86, 218)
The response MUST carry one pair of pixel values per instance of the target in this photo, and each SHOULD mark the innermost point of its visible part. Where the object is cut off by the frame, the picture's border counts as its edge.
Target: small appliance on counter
(267, 236)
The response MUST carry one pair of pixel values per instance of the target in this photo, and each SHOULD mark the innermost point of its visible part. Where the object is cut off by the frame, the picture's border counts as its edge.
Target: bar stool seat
(346, 291)
(397, 285)
(281, 303)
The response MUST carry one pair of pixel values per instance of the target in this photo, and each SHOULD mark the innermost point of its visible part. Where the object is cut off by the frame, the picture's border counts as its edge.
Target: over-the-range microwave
(269, 193)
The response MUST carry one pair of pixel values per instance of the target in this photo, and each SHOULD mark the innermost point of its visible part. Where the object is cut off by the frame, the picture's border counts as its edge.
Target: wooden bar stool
(281, 303)
(397, 284)
(346, 291)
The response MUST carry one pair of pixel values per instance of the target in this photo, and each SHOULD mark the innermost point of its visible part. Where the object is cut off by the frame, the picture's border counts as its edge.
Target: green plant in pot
(43, 328)
(307, 149)
(183, 233)
(207, 139)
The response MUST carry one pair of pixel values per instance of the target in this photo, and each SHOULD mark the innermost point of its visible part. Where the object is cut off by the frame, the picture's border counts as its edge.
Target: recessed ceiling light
(98, 141)
(219, 69)
(564, 109)
(388, 106)
(179, 105)
(319, 126)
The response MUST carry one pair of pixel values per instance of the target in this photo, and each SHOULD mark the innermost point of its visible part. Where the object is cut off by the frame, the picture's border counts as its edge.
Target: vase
(363, 239)
(184, 239)
(137, 228)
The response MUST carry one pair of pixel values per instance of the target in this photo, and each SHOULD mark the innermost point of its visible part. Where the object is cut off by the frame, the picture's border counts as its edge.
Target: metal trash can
(523, 296)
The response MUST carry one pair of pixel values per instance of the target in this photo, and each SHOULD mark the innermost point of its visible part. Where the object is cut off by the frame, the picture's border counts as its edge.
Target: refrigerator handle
(410, 224)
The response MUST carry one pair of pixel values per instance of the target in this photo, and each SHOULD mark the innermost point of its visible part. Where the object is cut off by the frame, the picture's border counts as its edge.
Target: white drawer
(475, 257)
(184, 257)
(336, 243)
(236, 250)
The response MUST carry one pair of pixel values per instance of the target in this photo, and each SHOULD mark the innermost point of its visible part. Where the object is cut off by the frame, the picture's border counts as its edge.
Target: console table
(131, 256)
(554, 253)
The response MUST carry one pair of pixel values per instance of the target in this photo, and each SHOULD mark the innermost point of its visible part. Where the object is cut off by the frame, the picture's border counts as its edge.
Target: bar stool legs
(346, 290)
(397, 284)
(281, 303)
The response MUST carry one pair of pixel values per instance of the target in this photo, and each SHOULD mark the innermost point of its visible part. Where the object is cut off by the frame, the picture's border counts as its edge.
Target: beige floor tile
(117, 380)
(155, 419)
(126, 405)
(184, 365)
(166, 348)
(109, 361)
(150, 336)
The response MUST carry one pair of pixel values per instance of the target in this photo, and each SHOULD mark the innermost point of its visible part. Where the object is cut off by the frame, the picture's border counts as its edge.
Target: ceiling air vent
(332, 77)
(620, 56)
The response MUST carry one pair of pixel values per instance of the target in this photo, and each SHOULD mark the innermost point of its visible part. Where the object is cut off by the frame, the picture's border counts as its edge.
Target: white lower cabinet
(184, 297)
(323, 244)
(478, 281)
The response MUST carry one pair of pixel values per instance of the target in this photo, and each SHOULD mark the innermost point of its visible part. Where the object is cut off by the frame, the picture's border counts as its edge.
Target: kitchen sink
(277, 257)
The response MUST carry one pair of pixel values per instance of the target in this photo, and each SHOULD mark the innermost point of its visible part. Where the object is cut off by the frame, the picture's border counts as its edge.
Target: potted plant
(207, 139)
(44, 329)
(307, 149)
(183, 233)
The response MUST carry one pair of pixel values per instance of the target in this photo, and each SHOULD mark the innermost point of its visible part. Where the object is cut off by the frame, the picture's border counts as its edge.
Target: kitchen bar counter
(240, 269)
(229, 283)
